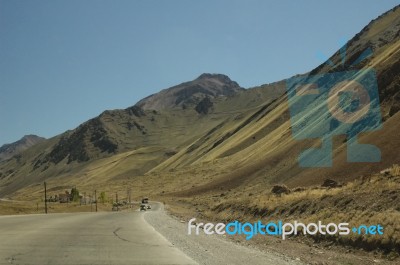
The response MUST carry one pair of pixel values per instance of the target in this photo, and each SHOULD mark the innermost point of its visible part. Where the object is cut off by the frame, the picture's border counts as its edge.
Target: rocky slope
(9, 150)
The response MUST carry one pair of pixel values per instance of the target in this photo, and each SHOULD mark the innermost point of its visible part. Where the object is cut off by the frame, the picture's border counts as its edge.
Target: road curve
(85, 238)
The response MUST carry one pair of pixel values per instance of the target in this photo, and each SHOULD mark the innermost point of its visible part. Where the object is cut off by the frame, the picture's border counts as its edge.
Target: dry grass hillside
(368, 200)
(258, 143)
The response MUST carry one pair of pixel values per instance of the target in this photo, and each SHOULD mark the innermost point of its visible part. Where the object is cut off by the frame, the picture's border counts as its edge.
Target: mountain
(381, 36)
(9, 150)
(144, 130)
(210, 134)
(194, 93)
(257, 147)
(260, 149)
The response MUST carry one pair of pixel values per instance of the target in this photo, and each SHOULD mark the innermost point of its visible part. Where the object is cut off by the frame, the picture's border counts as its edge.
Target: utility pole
(129, 195)
(116, 199)
(95, 198)
(45, 197)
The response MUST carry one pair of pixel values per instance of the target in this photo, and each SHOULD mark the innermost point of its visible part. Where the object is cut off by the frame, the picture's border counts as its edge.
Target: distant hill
(9, 150)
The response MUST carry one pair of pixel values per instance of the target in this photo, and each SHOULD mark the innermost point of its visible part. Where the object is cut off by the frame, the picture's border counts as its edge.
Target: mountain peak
(189, 94)
(216, 77)
(9, 150)
(221, 77)
(30, 136)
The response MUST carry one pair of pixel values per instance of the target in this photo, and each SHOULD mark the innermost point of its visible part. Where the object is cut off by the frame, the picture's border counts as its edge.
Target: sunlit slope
(258, 145)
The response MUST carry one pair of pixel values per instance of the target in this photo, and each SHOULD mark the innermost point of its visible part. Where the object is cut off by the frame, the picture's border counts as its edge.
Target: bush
(74, 194)
(279, 189)
(102, 197)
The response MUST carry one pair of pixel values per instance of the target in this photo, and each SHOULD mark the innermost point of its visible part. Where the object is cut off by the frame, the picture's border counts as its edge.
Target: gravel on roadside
(210, 249)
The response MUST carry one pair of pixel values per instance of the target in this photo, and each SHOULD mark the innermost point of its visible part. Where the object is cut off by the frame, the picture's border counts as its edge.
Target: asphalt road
(85, 238)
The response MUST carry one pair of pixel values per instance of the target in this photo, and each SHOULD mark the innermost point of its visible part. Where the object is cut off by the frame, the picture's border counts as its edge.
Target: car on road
(143, 207)
(149, 206)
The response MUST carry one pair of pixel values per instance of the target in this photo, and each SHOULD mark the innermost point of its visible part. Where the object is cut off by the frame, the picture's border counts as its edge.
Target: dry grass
(369, 200)
(395, 170)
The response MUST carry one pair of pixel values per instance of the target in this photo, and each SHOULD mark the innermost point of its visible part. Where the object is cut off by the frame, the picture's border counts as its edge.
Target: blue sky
(64, 62)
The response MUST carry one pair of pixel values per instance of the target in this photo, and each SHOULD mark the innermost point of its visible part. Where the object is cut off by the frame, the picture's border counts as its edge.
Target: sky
(64, 62)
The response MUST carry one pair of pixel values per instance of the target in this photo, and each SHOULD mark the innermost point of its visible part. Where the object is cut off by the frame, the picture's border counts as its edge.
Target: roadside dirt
(212, 249)
(302, 248)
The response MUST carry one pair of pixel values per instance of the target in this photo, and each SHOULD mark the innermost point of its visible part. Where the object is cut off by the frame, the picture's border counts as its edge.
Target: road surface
(84, 238)
(117, 238)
